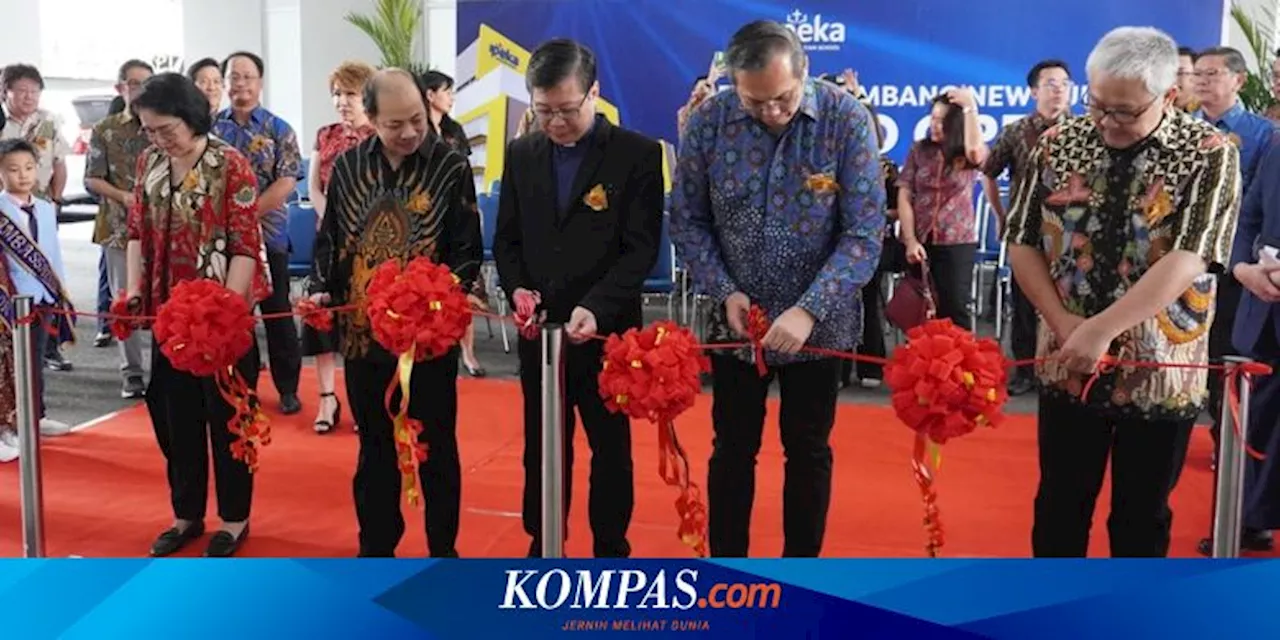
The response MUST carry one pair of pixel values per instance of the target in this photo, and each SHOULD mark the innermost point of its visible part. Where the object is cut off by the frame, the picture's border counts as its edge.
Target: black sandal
(325, 426)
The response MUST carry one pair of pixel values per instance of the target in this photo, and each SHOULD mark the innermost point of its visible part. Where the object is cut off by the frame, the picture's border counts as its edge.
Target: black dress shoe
(225, 545)
(289, 404)
(173, 540)
(1250, 540)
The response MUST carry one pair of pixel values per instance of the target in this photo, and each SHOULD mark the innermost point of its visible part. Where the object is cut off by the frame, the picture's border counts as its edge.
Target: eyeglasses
(1211, 73)
(165, 132)
(1119, 116)
(235, 78)
(781, 104)
(547, 115)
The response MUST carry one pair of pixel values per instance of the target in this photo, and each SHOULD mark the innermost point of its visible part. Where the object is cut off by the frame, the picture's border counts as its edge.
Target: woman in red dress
(194, 217)
(347, 86)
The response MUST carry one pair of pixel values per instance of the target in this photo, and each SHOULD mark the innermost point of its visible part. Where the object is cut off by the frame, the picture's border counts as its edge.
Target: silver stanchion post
(553, 441)
(28, 431)
(1229, 484)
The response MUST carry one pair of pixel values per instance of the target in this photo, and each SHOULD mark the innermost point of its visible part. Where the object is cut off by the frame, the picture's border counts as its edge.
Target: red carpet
(105, 492)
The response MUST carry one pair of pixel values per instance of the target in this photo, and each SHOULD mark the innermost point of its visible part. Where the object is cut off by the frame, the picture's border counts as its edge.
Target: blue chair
(302, 238)
(488, 205)
(302, 190)
(990, 256)
(662, 280)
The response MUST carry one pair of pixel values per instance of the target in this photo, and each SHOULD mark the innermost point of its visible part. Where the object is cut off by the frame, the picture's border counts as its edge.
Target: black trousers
(1146, 460)
(951, 267)
(808, 412)
(611, 496)
(433, 399)
(1262, 477)
(284, 351)
(872, 343)
(189, 416)
(1022, 330)
(1229, 292)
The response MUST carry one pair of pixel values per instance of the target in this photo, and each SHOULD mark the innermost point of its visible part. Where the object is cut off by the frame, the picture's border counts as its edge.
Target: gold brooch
(821, 183)
(596, 199)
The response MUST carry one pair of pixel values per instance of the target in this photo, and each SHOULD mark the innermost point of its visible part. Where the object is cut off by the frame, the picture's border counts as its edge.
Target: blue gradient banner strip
(686, 598)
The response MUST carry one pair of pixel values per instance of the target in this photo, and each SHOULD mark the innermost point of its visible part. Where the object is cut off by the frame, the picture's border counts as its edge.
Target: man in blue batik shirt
(1220, 74)
(272, 148)
(778, 203)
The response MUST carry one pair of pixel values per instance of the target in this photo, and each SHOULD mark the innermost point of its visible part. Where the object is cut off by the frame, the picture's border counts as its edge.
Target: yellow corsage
(597, 199)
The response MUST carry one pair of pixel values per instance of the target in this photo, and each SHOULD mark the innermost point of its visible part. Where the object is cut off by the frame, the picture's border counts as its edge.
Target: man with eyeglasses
(111, 172)
(1050, 82)
(1220, 75)
(778, 203)
(271, 146)
(579, 221)
(1112, 227)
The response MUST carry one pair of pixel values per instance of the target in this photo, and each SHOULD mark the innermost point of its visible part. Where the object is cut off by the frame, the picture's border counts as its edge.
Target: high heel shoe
(325, 426)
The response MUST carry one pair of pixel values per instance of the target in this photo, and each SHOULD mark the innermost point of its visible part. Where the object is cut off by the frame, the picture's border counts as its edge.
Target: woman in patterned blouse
(438, 88)
(195, 216)
(935, 201)
(346, 83)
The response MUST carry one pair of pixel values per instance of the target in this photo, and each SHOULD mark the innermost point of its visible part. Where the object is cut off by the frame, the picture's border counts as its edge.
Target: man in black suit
(579, 221)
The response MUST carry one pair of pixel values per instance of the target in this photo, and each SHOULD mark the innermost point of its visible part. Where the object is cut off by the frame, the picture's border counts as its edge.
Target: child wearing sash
(32, 266)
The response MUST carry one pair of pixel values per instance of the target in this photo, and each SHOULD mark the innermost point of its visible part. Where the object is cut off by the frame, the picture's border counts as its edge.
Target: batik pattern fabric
(941, 195)
(193, 230)
(376, 213)
(1103, 217)
(333, 140)
(115, 145)
(42, 129)
(271, 146)
(790, 220)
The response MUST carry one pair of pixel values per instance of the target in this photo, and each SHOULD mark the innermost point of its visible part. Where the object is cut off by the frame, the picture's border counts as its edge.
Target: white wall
(1233, 37)
(214, 28)
(327, 41)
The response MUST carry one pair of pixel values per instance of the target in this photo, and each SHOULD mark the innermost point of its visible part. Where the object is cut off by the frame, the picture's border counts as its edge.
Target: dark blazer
(582, 257)
(1258, 224)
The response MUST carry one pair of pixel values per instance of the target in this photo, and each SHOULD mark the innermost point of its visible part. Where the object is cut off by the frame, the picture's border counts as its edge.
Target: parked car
(90, 110)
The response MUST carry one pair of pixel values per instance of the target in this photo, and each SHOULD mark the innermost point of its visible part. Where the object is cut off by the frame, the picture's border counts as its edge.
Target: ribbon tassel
(406, 430)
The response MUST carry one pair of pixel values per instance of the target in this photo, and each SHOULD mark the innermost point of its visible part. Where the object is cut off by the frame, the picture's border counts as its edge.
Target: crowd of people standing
(1121, 225)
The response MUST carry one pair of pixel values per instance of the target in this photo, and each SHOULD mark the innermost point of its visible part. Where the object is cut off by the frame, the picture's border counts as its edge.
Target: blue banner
(472, 599)
(905, 51)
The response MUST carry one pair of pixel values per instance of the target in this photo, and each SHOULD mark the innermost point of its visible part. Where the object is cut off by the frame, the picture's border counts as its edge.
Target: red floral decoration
(204, 329)
(418, 313)
(654, 374)
(121, 323)
(314, 315)
(945, 383)
(421, 309)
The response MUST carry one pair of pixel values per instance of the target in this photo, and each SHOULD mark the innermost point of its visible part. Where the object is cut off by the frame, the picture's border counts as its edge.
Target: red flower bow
(945, 383)
(421, 309)
(654, 374)
(418, 313)
(204, 329)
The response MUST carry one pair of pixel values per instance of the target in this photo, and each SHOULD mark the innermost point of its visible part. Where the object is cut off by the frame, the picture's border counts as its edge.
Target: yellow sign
(495, 50)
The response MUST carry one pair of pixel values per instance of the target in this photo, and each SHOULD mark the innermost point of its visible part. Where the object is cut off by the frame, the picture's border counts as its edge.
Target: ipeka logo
(613, 589)
(816, 33)
(502, 54)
